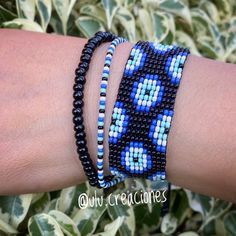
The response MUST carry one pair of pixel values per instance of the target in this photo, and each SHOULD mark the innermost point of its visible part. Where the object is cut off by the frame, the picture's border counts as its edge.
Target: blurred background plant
(208, 28)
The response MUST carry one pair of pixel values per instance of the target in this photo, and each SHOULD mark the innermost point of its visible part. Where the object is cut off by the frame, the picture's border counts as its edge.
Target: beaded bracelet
(101, 116)
(78, 103)
(144, 110)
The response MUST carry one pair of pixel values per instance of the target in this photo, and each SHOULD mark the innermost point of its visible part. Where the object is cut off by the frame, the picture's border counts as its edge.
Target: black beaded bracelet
(80, 73)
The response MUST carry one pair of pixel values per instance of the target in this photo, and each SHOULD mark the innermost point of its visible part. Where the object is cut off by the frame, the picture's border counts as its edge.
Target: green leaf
(88, 25)
(115, 210)
(67, 224)
(24, 24)
(126, 19)
(13, 209)
(27, 8)
(110, 7)
(45, 8)
(87, 219)
(178, 8)
(230, 223)
(161, 27)
(63, 9)
(169, 224)
(43, 224)
(112, 228)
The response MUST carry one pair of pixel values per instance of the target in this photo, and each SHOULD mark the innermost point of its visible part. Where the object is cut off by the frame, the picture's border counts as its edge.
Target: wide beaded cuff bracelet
(144, 109)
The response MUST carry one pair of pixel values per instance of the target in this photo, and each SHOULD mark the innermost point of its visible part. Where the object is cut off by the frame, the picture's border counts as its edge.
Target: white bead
(159, 141)
(139, 102)
(144, 103)
(164, 118)
(157, 129)
(155, 135)
(168, 118)
(164, 143)
(100, 131)
(101, 115)
(149, 103)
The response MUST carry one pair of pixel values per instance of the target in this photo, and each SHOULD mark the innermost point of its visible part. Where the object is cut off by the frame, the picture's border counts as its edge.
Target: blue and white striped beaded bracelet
(103, 181)
(144, 109)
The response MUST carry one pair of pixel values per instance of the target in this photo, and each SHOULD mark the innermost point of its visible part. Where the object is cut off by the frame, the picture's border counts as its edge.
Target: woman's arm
(37, 146)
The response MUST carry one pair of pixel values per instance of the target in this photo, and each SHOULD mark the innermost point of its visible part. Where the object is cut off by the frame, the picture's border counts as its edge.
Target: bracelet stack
(142, 114)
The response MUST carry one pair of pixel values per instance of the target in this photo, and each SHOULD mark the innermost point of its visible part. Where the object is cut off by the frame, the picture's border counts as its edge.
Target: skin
(37, 145)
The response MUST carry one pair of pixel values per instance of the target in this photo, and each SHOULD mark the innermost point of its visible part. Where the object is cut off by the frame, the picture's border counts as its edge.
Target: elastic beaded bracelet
(78, 103)
(101, 116)
(144, 109)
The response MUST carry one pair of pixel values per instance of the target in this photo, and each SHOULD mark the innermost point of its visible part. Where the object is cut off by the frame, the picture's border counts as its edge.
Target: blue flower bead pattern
(159, 130)
(135, 158)
(136, 61)
(119, 124)
(147, 93)
(174, 67)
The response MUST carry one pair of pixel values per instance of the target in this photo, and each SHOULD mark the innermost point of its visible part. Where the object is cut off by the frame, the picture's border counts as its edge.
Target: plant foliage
(208, 28)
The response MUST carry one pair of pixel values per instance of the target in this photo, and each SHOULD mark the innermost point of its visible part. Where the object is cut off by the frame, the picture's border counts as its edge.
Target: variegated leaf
(27, 7)
(112, 228)
(126, 19)
(200, 203)
(121, 209)
(110, 6)
(161, 26)
(169, 224)
(88, 25)
(146, 23)
(94, 11)
(13, 209)
(178, 8)
(145, 220)
(7, 228)
(87, 219)
(44, 8)
(185, 40)
(230, 223)
(43, 224)
(6, 15)
(67, 224)
(68, 200)
(39, 202)
(63, 9)
(24, 24)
